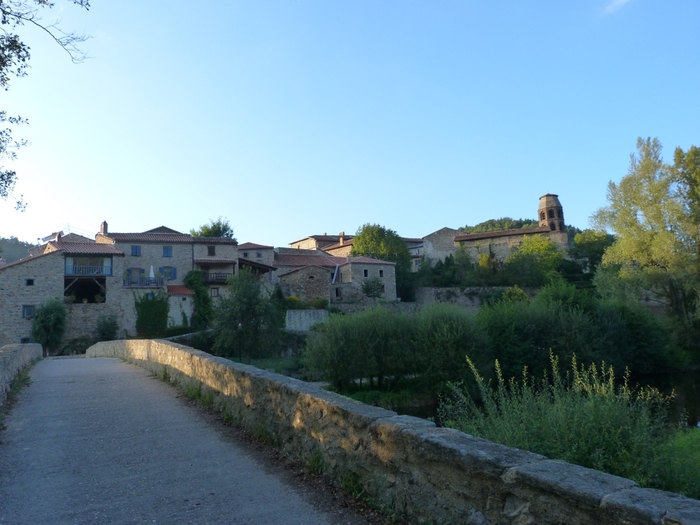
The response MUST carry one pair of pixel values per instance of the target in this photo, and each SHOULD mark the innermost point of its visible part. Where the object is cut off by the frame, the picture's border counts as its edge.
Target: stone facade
(306, 283)
(408, 465)
(14, 359)
(440, 244)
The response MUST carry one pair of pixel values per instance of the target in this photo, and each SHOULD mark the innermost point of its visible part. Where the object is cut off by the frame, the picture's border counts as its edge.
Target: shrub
(49, 324)
(583, 418)
(373, 287)
(151, 314)
(107, 328)
(203, 308)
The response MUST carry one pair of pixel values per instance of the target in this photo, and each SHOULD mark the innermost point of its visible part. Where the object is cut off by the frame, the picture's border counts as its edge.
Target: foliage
(151, 314)
(378, 242)
(504, 223)
(216, 228)
(514, 293)
(535, 261)
(202, 307)
(12, 249)
(583, 418)
(294, 303)
(373, 287)
(590, 245)
(14, 58)
(246, 323)
(49, 324)
(654, 214)
(107, 328)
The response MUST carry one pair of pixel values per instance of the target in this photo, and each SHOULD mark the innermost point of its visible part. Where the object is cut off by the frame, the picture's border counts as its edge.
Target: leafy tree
(535, 262)
(373, 240)
(653, 212)
(49, 324)
(13, 249)
(107, 328)
(203, 307)
(372, 287)
(590, 245)
(151, 314)
(14, 58)
(216, 228)
(246, 323)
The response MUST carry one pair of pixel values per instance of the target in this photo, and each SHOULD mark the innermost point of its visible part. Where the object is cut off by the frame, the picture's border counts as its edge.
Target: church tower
(550, 213)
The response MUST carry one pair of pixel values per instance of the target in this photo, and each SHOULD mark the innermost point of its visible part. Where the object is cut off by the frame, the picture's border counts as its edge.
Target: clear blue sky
(293, 118)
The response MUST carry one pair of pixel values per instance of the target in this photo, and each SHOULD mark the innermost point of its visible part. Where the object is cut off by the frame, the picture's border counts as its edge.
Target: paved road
(99, 441)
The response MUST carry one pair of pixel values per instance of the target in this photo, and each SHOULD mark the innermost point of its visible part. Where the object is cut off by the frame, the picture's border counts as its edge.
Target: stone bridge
(98, 441)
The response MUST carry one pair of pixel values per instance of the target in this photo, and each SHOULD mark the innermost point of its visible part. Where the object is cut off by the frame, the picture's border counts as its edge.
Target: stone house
(105, 276)
(311, 274)
(343, 247)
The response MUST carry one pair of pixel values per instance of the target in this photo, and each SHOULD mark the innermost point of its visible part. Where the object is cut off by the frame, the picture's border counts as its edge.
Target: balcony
(143, 282)
(88, 270)
(216, 277)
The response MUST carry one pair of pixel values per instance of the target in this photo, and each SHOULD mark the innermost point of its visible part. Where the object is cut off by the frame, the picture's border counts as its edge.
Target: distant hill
(13, 249)
(504, 223)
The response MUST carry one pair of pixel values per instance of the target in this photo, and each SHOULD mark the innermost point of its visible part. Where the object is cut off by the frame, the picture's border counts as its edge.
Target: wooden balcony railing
(216, 277)
(143, 282)
(88, 270)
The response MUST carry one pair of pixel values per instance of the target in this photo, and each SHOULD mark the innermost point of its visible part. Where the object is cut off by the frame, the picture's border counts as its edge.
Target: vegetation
(247, 323)
(151, 314)
(203, 307)
(654, 213)
(216, 228)
(49, 324)
(14, 58)
(373, 287)
(504, 223)
(107, 328)
(12, 249)
(583, 418)
(378, 242)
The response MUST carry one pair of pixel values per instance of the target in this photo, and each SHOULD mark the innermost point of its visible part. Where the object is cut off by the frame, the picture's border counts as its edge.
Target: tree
(49, 324)
(246, 322)
(203, 307)
(504, 223)
(151, 314)
(14, 58)
(590, 245)
(373, 287)
(216, 228)
(654, 213)
(378, 242)
(535, 262)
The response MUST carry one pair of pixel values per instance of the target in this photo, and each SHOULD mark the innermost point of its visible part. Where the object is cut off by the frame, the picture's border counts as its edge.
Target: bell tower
(550, 213)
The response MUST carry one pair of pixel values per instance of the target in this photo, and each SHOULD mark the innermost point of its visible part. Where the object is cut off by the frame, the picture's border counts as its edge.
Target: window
(381, 273)
(258, 255)
(25, 340)
(338, 292)
(211, 250)
(167, 251)
(365, 273)
(168, 272)
(214, 292)
(28, 311)
(29, 282)
(245, 254)
(136, 251)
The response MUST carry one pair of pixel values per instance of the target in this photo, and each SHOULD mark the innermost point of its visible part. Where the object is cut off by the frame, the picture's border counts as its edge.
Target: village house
(105, 276)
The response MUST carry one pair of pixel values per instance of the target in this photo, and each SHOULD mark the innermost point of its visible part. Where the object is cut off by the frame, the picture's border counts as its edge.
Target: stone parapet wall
(406, 464)
(13, 359)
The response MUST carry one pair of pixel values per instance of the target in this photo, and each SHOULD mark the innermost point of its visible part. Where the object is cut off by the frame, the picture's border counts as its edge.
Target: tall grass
(583, 418)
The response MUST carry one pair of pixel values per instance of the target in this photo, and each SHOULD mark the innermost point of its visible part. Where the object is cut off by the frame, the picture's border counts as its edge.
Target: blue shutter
(174, 273)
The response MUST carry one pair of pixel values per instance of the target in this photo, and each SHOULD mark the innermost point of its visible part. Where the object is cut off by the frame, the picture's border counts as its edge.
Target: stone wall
(303, 320)
(406, 464)
(13, 359)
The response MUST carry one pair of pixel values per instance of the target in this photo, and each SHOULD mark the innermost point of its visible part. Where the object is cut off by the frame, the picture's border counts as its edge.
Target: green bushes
(583, 418)
(151, 314)
(49, 324)
(380, 343)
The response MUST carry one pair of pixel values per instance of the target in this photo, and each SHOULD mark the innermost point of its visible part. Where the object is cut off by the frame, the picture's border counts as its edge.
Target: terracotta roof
(257, 265)
(170, 238)
(85, 248)
(162, 229)
(328, 261)
(216, 261)
(26, 259)
(346, 242)
(179, 289)
(252, 246)
(325, 269)
(324, 238)
(501, 233)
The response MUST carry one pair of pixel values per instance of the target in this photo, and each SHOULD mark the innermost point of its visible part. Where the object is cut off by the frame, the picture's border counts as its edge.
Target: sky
(294, 118)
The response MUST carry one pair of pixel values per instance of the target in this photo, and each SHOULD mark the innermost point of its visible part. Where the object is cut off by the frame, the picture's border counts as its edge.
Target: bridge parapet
(404, 463)
(13, 359)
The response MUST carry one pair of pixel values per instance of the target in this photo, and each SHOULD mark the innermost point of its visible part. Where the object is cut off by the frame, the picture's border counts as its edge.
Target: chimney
(103, 228)
(342, 238)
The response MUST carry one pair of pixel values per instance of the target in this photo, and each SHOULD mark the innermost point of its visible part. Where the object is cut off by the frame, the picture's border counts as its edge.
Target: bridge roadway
(99, 441)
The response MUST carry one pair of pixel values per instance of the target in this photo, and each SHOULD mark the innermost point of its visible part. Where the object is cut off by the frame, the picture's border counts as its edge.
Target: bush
(49, 324)
(583, 419)
(107, 328)
(151, 314)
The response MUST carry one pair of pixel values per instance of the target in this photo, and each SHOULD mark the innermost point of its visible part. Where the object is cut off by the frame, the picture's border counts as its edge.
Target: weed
(165, 374)
(316, 463)
(263, 435)
(193, 392)
(207, 398)
(350, 483)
